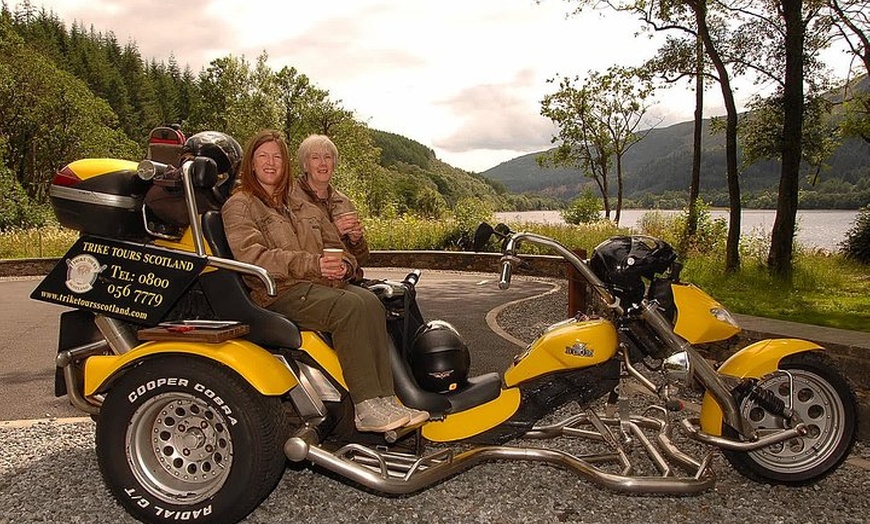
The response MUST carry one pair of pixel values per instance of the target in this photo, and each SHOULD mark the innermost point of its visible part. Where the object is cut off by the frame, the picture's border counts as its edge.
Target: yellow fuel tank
(568, 345)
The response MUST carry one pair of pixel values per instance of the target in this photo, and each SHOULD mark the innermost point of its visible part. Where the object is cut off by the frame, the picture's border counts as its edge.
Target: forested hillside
(657, 170)
(657, 173)
(70, 93)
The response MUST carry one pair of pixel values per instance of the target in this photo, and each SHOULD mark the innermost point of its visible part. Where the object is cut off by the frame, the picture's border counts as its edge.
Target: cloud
(498, 117)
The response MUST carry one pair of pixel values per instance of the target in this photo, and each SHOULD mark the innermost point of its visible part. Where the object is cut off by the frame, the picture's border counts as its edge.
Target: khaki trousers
(357, 321)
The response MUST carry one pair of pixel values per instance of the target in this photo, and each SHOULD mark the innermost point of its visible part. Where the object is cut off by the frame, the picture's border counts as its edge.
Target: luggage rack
(210, 331)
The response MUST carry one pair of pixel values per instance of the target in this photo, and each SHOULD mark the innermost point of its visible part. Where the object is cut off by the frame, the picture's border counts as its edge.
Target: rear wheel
(823, 400)
(181, 438)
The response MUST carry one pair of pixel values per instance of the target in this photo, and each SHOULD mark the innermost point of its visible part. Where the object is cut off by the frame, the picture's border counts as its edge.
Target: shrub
(709, 237)
(584, 209)
(17, 210)
(857, 243)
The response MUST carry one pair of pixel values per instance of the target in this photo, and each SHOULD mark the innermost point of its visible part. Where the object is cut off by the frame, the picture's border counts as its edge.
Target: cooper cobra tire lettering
(151, 385)
(217, 400)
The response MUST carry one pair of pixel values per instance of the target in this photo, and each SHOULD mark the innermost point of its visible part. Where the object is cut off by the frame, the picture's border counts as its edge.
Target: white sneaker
(415, 416)
(372, 415)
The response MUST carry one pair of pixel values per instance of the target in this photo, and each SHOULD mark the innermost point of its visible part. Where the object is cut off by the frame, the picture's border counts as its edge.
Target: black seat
(229, 299)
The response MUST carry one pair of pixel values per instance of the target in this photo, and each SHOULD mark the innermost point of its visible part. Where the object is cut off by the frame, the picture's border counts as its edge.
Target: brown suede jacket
(288, 245)
(333, 205)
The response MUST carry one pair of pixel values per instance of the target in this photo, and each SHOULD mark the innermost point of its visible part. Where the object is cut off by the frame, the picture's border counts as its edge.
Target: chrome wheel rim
(816, 403)
(179, 448)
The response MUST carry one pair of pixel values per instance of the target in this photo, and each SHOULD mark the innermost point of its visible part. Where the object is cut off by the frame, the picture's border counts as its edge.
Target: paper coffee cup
(331, 252)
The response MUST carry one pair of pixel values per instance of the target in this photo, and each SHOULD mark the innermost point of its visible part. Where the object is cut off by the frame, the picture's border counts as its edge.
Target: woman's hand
(333, 268)
(348, 224)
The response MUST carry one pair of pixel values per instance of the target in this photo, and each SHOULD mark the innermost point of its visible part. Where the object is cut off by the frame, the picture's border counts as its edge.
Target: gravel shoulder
(48, 473)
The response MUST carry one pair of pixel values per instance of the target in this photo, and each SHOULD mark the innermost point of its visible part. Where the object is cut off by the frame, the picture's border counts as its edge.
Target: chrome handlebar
(512, 246)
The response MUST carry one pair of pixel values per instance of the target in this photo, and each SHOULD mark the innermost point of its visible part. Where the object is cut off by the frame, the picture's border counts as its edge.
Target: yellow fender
(323, 354)
(754, 361)
(259, 367)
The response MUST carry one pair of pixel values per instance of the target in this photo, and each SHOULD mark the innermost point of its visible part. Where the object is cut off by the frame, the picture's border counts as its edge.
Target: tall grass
(824, 289)
(582, 236)
(413, 233)
(43, 242)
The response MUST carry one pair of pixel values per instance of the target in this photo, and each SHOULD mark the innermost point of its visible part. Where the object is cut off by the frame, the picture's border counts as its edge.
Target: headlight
(723, 315)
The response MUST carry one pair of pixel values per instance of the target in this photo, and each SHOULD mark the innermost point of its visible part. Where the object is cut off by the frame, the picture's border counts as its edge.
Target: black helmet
(622, 261)
(226, 153)
(439, 358)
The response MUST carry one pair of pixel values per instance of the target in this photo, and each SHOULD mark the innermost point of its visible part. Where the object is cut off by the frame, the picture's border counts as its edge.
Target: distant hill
(415, 166)
(662, 162)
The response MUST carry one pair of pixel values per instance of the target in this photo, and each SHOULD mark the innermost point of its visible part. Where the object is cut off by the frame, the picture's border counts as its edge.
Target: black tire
(824, 401)
(184, 438)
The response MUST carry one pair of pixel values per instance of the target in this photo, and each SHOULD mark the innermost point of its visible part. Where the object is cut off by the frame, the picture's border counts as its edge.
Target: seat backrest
(213, 231)
(165, 145)
(228, 295)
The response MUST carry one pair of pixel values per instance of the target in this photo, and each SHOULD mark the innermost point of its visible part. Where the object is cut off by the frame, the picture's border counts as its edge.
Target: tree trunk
(605, 200)
(618, 189)
(732, 252)
(695, 186)
(779, 259)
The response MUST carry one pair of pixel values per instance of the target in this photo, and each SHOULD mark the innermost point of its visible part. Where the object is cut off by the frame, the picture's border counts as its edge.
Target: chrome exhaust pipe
(692, 427)
(120, 335)
(398, 474)
(66, 360)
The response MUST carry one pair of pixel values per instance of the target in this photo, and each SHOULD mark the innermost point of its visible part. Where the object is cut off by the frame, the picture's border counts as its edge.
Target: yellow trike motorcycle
(200, 397)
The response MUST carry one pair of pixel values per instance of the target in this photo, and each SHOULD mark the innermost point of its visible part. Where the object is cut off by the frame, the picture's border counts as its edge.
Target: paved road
(28, 333)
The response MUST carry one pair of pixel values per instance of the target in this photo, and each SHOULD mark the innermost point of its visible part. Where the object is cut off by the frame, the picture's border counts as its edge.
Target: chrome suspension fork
(704, 371)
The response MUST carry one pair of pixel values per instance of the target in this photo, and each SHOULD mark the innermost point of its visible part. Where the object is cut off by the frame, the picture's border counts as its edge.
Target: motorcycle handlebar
(511, 247)
(504, 281)
(413, 277)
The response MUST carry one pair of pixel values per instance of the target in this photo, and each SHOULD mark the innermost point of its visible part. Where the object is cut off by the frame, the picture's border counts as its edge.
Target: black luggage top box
(100, 196)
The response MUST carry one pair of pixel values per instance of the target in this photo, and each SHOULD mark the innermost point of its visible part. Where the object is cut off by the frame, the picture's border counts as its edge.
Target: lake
(824, 229)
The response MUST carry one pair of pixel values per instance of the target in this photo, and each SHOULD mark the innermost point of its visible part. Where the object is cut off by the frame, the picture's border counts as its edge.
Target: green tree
(49, 118)
(711, 26)
(16, 207)
(850, 24)
(296, 93)
(780, 41)
(584, 209)
(857, 243)
(234, 98)
(598, 123)
(683, 57)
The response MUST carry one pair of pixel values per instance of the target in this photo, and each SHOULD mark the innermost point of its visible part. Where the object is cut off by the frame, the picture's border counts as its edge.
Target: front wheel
(823, 400)
(181, 438)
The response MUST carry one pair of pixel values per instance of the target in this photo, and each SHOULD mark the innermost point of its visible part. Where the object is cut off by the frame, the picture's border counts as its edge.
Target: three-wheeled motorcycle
(200, 396)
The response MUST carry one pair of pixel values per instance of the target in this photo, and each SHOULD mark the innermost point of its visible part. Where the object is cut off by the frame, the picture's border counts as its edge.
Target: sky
(463, 77)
